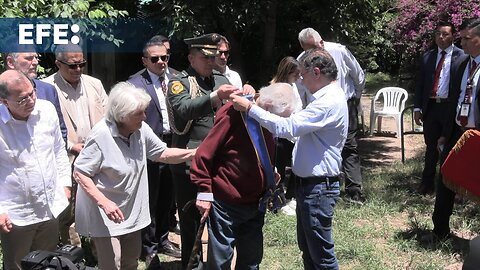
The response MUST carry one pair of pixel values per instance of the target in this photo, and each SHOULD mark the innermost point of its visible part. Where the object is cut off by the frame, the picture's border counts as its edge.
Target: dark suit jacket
(153, 111)
(426, 74)
(47, 91)
(458, 68)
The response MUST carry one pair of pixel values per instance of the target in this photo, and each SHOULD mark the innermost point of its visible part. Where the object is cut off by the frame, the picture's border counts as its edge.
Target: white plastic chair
(394, 99)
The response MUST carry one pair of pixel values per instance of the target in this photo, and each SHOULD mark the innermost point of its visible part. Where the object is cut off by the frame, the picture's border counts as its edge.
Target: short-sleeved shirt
(118, 167)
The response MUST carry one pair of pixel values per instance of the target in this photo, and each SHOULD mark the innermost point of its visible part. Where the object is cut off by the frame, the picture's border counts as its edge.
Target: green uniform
(200, 111)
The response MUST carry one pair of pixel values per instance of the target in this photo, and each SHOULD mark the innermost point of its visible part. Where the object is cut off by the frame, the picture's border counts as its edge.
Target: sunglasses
(74, 65)
(154, 59)
(226, 53)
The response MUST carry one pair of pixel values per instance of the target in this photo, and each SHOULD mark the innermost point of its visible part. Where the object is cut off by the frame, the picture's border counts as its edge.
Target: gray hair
(280, 97)
(61, 50)
(306, 33)
(321, 59)
(123, 100)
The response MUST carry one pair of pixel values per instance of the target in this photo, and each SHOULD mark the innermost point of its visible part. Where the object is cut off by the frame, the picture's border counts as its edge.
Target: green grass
(381, 234)
(384, 232)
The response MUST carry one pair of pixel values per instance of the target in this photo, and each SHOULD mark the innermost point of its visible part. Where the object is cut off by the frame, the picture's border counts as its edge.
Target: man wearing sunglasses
(34, 170)
(27, 62)
(221, 61)
(154, 80)
(82, 99)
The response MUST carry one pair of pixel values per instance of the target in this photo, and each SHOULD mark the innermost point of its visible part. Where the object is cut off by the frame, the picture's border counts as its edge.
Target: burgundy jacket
(226, 163)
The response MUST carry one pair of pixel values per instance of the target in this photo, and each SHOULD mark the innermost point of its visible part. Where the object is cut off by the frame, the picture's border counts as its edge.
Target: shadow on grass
(453, 244)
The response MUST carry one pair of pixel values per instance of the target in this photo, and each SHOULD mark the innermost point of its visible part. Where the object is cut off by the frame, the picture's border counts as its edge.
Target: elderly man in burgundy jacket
(231, 181)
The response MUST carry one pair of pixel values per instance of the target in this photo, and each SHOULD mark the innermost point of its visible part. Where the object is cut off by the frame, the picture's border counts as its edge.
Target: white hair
(124, 99)
(280, 98)
(306, 33)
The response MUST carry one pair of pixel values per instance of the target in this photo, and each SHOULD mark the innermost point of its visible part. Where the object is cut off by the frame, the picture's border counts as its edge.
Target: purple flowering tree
(413, 27)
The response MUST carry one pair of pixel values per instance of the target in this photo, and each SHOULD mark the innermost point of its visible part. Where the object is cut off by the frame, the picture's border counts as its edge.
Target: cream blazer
(97, 100)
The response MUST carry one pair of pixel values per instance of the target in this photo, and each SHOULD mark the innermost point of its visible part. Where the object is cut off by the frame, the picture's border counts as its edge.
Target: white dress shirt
(473, 106)
(322, 130)
(161, 98)
(233, 77)
(34, 167)
(444, 80)
(351, 77)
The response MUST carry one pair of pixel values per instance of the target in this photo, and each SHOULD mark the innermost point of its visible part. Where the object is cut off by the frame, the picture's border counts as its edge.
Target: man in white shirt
(34, 170)
(432, 97)
(221, 61)
(351, 79)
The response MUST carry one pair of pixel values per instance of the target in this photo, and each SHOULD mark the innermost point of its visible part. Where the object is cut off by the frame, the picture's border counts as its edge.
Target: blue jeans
(230, 226)
(315, 203)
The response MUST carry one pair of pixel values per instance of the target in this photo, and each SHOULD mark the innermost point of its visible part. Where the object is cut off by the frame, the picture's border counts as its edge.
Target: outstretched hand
(240, 103)
(225, 90)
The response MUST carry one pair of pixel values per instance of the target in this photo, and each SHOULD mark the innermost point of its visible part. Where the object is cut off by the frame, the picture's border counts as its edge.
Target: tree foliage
(416, 20)
(264, 31)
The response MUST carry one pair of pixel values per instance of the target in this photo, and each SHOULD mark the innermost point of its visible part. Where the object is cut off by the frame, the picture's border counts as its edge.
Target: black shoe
(424, 189)
(356, 197)
(175, 229)
(152, 262)
(432, 238)
(171, 250)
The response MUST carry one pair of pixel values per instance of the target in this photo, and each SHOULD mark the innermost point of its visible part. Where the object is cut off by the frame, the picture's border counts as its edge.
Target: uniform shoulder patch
(177, 87)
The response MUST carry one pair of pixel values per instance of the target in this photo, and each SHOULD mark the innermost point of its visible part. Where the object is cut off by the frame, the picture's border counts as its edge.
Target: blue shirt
(321, 129)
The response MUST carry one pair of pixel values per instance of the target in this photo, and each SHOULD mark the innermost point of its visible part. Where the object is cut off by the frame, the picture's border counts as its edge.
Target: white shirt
(444, 80)
(351, 77)
(34, 167)
(322, 130)
(161, 98)
(473, 105)
(119, 171)
(233, 77)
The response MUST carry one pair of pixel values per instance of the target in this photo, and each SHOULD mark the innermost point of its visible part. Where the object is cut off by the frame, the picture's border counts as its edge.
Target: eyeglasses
(74, 65)
(154, 59)
(24, 100)
(226, 53)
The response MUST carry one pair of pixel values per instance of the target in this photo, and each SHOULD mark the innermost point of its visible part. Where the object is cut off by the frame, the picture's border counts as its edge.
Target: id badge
(465, 109)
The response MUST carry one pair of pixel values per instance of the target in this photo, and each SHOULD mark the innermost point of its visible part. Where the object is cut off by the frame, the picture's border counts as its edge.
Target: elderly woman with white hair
(112, 201)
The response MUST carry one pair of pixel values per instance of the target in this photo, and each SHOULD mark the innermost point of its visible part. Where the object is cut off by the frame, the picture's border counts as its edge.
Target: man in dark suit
(432, 97)
(194, 96)
(462, 114)
(27, 62)
(154, 80)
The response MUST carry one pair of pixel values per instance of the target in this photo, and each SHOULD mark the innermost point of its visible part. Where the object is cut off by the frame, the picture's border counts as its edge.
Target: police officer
(194, 96)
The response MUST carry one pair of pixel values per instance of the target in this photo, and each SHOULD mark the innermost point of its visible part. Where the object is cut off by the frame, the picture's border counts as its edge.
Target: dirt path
(382, 149)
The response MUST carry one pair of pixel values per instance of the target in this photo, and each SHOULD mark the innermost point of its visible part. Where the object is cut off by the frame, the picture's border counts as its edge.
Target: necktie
(436, 80)
(164, 86)
(463, 119)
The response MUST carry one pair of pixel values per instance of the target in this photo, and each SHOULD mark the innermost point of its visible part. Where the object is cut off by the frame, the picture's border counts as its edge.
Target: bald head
(17, 94)
(9, 79)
